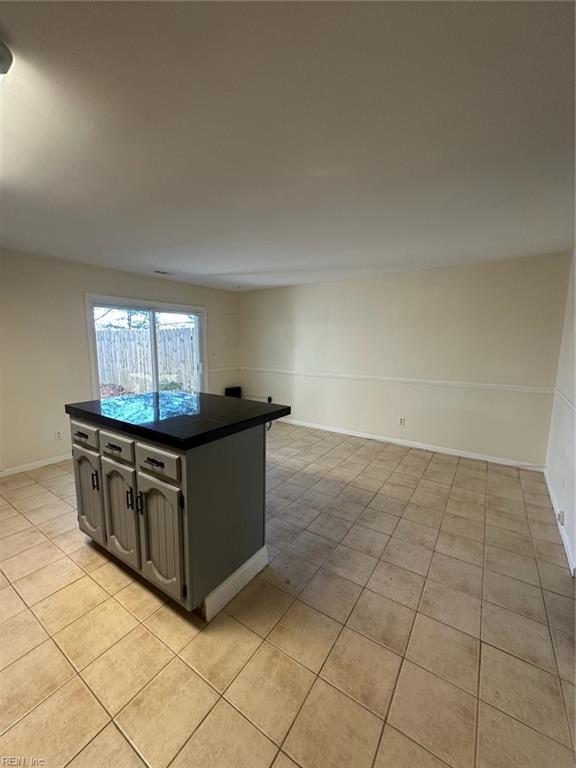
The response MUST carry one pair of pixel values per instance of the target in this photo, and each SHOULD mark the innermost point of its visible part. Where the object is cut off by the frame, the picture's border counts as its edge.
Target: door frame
(92, 300)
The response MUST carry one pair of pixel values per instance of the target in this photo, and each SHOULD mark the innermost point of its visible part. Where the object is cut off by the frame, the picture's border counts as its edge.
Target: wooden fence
(124, 358)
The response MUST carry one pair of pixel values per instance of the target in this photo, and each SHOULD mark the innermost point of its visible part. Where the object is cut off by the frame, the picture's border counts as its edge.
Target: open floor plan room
(287, 384)
(417, 610)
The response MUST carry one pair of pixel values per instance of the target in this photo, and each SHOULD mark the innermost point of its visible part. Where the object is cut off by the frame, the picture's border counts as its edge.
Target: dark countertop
(181, 420)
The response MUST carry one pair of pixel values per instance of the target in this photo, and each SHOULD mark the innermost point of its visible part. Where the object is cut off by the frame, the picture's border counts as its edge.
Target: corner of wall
(2, 355)
(560, 470)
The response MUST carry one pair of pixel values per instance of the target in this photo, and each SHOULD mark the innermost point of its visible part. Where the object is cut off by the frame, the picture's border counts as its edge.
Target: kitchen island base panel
(226, 507)
(230, 587)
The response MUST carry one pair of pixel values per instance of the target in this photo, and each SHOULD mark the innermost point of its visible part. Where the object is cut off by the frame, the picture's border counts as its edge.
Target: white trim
(235, 368)
(413, 444)
(565, 399)
(223, 593)
(91, 334)
(35, 465)
(153, 355)
(404, 380)
(121, 302)
(570, 555)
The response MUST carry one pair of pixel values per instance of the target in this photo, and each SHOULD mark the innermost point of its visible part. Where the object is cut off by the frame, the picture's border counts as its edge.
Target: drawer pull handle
(129, 499)
(82, 435)
(154, 462)
(113, 447)
(95, 484)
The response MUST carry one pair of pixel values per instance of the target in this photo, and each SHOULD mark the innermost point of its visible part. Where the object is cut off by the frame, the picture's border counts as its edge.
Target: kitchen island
(173, 485)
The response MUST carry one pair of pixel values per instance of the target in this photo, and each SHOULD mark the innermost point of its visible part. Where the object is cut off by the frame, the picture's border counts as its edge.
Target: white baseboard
(413, 444)
(35, 465)
(570, 554)
(221, 596)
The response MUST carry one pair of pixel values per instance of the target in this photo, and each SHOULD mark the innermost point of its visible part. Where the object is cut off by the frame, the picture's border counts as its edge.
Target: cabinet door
(88, 493)
(161, 534)
(120, 509)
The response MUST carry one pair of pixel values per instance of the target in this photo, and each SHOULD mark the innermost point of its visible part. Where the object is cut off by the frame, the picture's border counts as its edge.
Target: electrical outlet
(402, 421)
(58, 436)
(561, 517)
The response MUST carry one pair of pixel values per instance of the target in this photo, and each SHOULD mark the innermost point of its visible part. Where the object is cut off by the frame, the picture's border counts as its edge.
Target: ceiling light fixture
(6, 59)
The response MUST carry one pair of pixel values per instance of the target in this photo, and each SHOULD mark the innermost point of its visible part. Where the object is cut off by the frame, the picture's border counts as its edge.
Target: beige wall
(3, 332)
(45, 361)
(561, 463)
(468, 355)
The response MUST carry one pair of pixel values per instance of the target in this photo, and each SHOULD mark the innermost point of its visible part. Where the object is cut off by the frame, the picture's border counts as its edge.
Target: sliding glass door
(178, 351)
(144, 349)
(124, 350)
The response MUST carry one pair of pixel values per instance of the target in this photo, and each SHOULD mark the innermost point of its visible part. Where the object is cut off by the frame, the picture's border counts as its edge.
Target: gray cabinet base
(225, 490)
(196, 533)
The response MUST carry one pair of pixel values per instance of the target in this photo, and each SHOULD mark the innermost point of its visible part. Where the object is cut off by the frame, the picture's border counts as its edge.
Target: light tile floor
(417, 611)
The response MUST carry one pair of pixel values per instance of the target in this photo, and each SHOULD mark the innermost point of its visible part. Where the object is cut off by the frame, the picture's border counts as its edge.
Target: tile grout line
(127, 737)
(485, 523)
(481, 630)
(513, 655)
(78, 672)
(319, 567)
(264, 640)
(109, 723)
(384, 720)
(554, 652)
(45, 698)
(403, 657)
(317, 676)
(455, 588)
(465, 562)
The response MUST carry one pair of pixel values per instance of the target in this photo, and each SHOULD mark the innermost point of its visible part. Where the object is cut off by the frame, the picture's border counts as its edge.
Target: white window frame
(119, 302)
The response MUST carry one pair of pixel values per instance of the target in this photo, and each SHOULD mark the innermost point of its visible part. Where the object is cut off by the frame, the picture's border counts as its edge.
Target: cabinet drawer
(119, 447)
(159, 462)
(83, 434)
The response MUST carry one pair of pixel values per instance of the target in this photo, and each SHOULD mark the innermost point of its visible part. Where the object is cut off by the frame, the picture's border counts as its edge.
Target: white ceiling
(257, 144)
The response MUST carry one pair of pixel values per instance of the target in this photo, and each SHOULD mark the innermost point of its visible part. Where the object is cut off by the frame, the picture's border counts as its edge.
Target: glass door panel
(124, 350)
(178, 349)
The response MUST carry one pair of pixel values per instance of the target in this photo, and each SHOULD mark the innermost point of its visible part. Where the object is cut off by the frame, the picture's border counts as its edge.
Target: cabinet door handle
(95, 483)
(83, 435)
(113, 447)
(129, 499)
(140, 503)
(154, 462)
